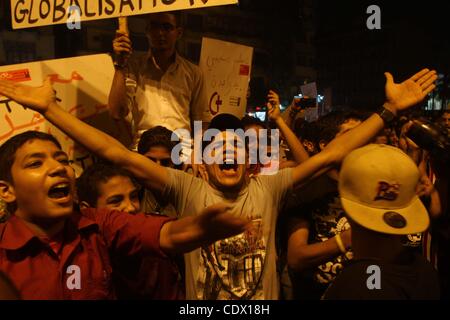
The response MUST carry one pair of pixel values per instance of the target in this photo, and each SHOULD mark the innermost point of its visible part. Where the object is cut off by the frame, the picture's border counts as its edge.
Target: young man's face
(163, 31)
(119, 193)
(43, 182)
(229, 175)
(160, 155)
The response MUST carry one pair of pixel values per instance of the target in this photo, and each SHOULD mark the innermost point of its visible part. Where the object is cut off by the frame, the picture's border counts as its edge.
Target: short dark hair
(305, 130)
(248, 121)
(156, 136)
(223, 122)
(101, 172)
(176, 14)
(9, 148)
(329, 125)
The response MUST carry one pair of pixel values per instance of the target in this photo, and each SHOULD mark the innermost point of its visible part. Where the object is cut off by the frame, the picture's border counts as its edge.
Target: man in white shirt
(159, 87)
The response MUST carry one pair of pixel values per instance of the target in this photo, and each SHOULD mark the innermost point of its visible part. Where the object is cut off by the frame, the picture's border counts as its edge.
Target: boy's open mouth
(228, 165)
(60, 190)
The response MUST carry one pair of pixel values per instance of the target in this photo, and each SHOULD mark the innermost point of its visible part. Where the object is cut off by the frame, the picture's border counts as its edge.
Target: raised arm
(302, 255)
(291, 113)
(117, 99)
(189, 233)
(42, 100)
(298, 151)
(398, 97)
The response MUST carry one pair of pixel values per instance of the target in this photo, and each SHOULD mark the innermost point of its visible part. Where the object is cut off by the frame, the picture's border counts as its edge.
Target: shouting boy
(242, 267)
(50, 250)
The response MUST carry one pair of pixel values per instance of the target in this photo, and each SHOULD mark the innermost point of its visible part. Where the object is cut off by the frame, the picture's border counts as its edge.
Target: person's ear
(84, 205)
(322, 144)
(7, 192)
(309, 146)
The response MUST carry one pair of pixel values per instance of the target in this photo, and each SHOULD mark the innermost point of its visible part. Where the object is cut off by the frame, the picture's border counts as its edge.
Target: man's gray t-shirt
(244, 266)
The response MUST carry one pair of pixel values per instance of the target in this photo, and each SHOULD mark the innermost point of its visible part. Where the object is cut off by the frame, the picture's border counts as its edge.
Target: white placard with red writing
(82, 85)
(227, 68)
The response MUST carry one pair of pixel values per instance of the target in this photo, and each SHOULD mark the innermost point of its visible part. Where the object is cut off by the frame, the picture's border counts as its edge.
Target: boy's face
(160, 155)
(228, 175)
(119, 193)
(43, 182)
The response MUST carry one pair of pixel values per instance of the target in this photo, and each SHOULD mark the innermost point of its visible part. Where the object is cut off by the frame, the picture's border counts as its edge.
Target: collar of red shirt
(14, 234)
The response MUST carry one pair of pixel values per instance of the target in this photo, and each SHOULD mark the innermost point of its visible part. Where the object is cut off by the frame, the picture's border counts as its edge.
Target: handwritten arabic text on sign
(82, 91)
(34, 13)
(227, 68)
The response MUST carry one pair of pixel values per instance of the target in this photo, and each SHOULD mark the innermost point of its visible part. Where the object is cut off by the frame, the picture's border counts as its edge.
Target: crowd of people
(325, 203)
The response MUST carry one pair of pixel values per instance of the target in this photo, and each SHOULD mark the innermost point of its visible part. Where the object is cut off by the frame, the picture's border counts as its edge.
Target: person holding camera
(297, 109)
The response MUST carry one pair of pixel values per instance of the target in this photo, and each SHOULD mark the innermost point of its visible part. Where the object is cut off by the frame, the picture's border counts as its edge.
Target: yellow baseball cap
(377, 186)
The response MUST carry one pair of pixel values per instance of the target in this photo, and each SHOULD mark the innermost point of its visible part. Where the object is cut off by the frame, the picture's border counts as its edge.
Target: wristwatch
(385, 114)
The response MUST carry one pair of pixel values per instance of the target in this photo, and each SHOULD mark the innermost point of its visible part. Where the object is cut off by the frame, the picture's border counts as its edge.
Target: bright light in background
(436, 99)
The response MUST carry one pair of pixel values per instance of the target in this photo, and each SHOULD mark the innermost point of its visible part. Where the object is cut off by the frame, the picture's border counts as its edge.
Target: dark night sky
(352, 59)
(423, 25)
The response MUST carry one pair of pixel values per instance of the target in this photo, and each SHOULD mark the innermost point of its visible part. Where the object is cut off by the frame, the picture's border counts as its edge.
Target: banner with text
(35, 13)
(227, 69)
(82, 86)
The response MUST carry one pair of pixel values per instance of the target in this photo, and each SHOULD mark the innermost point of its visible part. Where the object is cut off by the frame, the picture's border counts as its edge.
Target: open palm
(36, 98)
(410, 92)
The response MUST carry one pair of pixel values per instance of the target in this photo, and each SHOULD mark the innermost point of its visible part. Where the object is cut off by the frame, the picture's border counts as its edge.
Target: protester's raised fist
(122, 46)
(273, 106)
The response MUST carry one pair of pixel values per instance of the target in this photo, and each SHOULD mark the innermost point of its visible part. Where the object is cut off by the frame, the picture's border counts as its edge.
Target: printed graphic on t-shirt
(232, 268)
(329, 219)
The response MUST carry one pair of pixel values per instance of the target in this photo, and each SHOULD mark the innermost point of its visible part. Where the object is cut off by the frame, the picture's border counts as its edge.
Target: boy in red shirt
(50, 250)
(105, 185)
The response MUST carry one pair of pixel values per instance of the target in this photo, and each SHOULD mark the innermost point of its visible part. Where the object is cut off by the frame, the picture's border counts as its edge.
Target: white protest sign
(82, 85)
(227, 69)
(309, 90)
(35, 13)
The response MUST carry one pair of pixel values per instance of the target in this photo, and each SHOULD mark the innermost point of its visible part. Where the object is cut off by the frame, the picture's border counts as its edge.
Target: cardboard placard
(227, 69)
(35, 13)
(82, 85)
